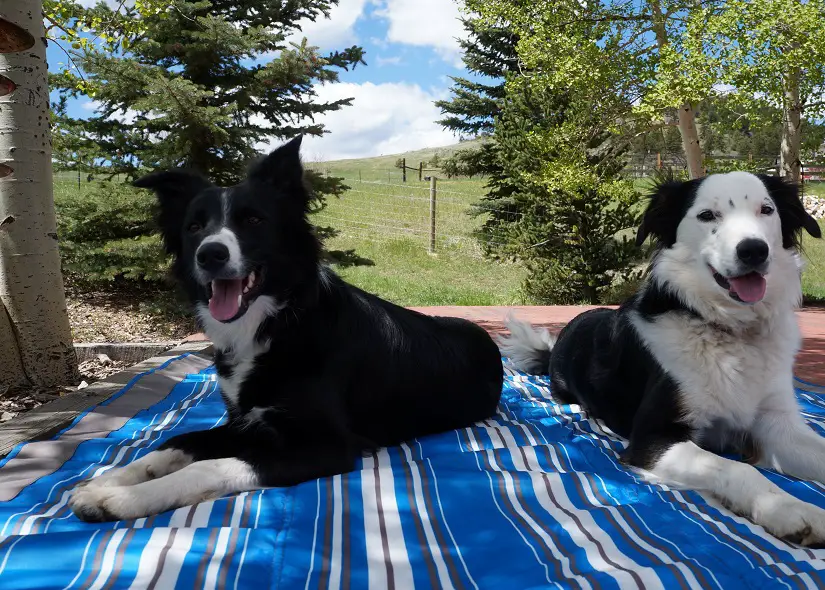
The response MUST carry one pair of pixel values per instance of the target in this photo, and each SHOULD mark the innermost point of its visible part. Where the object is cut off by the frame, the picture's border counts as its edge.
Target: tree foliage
(204, 84)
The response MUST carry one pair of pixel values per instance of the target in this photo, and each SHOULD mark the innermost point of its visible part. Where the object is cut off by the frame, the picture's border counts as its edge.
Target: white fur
(744, 490)
(197, 482)
(526, 346)
(238, 339)
(155, 464)
(236, 264)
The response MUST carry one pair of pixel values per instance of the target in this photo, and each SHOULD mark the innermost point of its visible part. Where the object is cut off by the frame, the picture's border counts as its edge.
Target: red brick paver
(810, 363)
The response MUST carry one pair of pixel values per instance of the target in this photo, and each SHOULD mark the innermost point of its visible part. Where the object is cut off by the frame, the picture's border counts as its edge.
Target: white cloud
(334, 32)
(425, 23)
(394, 60)
(384, 119)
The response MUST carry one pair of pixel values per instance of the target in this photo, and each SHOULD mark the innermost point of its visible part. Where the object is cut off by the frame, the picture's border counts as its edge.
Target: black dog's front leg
(204, 465)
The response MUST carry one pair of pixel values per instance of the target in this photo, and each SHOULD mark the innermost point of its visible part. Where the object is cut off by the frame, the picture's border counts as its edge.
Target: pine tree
(490, 53)
(204, 84)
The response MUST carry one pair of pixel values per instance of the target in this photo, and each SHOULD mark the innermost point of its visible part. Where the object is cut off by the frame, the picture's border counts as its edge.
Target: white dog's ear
(668, 205)
(791, 211)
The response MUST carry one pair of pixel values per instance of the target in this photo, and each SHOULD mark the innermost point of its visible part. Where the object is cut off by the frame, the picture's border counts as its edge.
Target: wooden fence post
(658, 160)
(403, 169)
(420, 171)
(432, 214)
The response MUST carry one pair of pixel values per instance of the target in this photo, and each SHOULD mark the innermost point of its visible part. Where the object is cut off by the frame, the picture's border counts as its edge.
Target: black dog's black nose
(212, 256)
(752, 251)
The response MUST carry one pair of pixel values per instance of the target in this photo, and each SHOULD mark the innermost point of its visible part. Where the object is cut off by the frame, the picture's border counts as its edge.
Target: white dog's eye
(706, 215)
(767, 210)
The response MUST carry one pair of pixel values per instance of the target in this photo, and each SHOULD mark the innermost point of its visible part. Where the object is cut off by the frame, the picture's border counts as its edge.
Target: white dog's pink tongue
(225, 300)
(750, 287)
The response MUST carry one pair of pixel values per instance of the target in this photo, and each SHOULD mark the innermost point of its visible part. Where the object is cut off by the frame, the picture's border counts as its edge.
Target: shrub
(107, 233)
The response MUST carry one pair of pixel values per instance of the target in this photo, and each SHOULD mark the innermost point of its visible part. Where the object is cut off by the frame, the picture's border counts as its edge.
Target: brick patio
(810, 364)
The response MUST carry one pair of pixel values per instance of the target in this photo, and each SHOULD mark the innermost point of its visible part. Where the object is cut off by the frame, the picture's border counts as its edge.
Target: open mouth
(747, 288)
(230, 298)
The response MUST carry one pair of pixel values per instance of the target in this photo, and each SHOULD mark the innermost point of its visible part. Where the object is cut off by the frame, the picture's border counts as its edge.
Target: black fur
(345, 371)
(791, 211)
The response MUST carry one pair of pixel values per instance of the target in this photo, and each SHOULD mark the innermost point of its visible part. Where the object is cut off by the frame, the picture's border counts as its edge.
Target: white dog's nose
(752, 251)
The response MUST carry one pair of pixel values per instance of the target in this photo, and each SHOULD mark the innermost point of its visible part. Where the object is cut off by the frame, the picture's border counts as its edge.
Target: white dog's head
(725, 236)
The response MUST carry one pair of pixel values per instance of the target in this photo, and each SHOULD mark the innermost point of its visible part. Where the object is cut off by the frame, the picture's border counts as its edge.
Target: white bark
(790, 165)
(690, 141)
(687, 115)
(31, 286)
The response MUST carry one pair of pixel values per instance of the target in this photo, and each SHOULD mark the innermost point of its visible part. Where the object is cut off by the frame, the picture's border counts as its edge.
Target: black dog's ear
(175, 189)
(668, 204)
(791, 211)
(282, 167)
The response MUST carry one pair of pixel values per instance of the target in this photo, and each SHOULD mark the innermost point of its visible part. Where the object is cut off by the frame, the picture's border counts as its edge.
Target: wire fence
(434, 214)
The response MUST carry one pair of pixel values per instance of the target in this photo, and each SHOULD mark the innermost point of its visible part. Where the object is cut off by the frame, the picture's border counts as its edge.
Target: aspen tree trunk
(790, 164)
(35, 336)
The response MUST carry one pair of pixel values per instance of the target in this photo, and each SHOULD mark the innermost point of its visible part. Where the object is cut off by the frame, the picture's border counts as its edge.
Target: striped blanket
(532, 498)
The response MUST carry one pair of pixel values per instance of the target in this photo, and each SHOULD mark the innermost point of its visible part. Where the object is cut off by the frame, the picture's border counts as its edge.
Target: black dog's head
(235, 246)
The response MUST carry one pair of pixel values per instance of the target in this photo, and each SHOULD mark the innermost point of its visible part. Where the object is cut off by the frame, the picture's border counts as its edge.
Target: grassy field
(386, 222)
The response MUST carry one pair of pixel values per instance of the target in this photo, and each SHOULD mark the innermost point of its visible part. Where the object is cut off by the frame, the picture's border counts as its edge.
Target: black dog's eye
(253, 220)
(194, 227)
(706, 215)
(767, 210)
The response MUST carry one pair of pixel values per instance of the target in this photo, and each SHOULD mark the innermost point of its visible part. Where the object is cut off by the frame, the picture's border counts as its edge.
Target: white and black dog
(313, 371)
(700, 360)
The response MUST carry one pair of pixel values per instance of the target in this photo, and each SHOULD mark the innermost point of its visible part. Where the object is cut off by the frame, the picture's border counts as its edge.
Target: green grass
(387, 222)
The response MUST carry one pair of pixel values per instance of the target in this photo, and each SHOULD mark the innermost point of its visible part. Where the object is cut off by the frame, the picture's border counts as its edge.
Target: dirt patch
(17, 400)
(128, 315)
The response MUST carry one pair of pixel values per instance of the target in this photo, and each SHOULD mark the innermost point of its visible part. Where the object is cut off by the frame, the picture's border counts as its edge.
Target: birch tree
(772, 52)
(35, 336)
(636, 64)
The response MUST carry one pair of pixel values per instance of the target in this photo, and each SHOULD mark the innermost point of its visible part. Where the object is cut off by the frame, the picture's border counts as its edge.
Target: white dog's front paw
(94, 503)
(792, 520)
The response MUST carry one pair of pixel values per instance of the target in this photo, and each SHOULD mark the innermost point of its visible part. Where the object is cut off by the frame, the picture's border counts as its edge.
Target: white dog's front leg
(788, 445)
(744, 491)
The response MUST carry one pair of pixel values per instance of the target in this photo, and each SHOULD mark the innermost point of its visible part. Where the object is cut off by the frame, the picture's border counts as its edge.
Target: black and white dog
(313, 371)
(700, 360)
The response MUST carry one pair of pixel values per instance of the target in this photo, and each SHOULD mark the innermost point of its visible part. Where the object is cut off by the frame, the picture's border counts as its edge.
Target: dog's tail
(528, 348)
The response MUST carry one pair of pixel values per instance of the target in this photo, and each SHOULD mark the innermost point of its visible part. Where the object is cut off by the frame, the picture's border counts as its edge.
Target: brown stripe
(121, 553)
(127, 458)
(210, 548)
(323, 577)
(441, 539)
(162, 559)
(98, 558)
(525, 528)
(419, 525)
(385, 543)
(42, 458)
(230, 551)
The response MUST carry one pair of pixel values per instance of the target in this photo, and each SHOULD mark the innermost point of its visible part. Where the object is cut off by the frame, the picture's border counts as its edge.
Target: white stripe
(243, 556)
(173, 563)
(215, 563)
(504, 514)
(429, 533)
(376, 569)
(337, 533)
(148, 431)
(83, 561)
(148, 428)
(401, 567)
(149, 557)
(314, 537)
(108, 560)
(538, 476)
(444, 518)
(237, 512)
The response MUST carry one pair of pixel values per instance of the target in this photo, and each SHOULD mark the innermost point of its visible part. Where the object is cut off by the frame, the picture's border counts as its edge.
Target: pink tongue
(224, 302)
(750, 288)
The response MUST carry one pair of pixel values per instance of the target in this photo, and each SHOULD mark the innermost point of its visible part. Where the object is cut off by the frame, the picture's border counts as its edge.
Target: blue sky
(411, 50)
